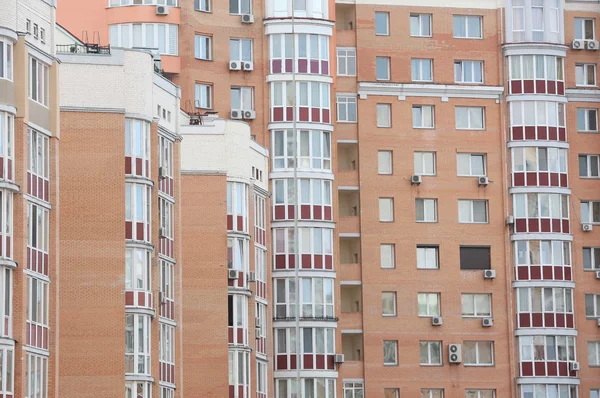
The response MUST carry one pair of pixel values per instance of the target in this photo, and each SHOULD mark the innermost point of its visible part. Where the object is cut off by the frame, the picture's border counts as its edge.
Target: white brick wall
(41, 13)
(8, 14)
(138, 83)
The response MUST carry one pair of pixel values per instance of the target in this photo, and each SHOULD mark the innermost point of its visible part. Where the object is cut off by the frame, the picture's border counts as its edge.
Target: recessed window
(432, 393)
(203, 96)
(426, 210)
(590, 212)
(585, 74)
(240, 6)
(390, 352)
(476, 305)
(37, 379)
(469, 118)
(430, 353)
(387, 253)
(353, 390)
(391, 393)
(589, 166)
(240, 50)
(467, 27)
(388, 303)
(384, 115)
(423, 116)
(594, 353)
(584, 29)
(424, 163)
(429, 304)
(591, 258)
(594, 393)
(478, 353)
(384, 162)
(346, 108)
(346, 61)
(468, 71)
(242, 98)
(475, 257)
(382, 23)
(592, 305)
(386, 209)
(203, 47)
(422, 70)
(587, 120)
(38, 81)
(6, 60)
(481, 394)
(470, 164)
(382, 68)
(202, 5)
(473, 211)
(428, 257)
(420, 25)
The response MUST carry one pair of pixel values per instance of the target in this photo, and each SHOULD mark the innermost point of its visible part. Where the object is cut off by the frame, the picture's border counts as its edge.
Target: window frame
(478, 393)
(40, 86)
(439, 392)
(7, 58)
(423, 298)
(199, 3)
(581, 35)
(420, 17)
(240, 4)
(473, 297)
(470, 122)
(346, 59)
(388, 68)
(466, 19)
(169, 30)
(199, 88)
(595, 300)
(426, 249)
(587, 217)
(471, 203)
(138, 349)
(422, 116)
(388, 108)
(584, 67)
(321, 154)
(36, 371)
(471, 155)
(388, 202)
(431, 345)
(353, 387)
(594, 255)
(133, 275)
(465, 247)
(423, 163)
(418, 62)
(394, 345)
(589, 171)
(593, 348)
(240, 42)
(387, 23)
(477, 344)
(244, 91)
(346, 101)
(586, 112)
(394, 298)
(166, 346)
(427, 219)
(203, 47)
(473, 63)
(392, 248)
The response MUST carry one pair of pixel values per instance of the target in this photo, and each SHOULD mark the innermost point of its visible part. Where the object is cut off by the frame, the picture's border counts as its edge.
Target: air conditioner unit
(416, 179)
(489, 274)
(592, 44)
(587, 227)
(487, 322)
(454, 353)
(338, 358)
(248, 66)
(162, 298)
(235, 65)
(257, 321)
(597, 274)
(573, 366)
(257, 332)
(483, 180)
(162, 233)
(578, 44)
(236, 114)
(247, 18)
(251, 276)
(249, 115)
(510, 220)
(162, 173)
(162, 10)
(437, 321)
(598, 322)
(232, 274)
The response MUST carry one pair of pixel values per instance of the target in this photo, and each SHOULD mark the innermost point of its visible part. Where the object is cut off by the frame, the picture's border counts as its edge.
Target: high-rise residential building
(434, 234)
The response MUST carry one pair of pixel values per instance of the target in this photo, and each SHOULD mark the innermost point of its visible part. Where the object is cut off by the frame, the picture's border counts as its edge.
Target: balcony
(349, 250)
(345, 17)
(351, 297)
(349, 221)
(352, 347)
(347, 174)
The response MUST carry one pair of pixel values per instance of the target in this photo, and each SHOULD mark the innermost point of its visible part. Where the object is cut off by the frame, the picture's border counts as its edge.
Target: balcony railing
(89, 48)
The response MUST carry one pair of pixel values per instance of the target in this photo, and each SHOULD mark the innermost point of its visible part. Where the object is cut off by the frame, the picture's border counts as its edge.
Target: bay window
(541, 205)
(36, 376)
(6, 223)
(138, 389)
(165, 164)
(166, 288)
(539, 159)
(310, 191)
(38, 172)
(7, 129)
(237, 319)
(315, 248)
(547, 348)
(239, 372)
(309, 388)
(137, 147)
(6, 299)
(163, 37)
(261, 378)
(137, 269)
(116, 3)
(541, 74)
(544, 259)
(137, 344)
(316, 298)
(312, 53)
(534, 21)
(302, 8)
(314, 148)
(6, 371)
(548, 391)
(37, 303)
(167, 343)
(545, 307)
(6, 60)
(237, 206)
(138, 207)
(312, 102)
(38, 237)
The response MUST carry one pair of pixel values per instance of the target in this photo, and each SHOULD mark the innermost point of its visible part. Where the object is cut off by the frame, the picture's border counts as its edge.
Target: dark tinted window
(230, 310)
(475, 257)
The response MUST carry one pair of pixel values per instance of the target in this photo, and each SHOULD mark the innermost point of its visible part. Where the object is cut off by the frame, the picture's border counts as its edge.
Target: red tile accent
(521, 225)
(302, 65)
(279, 213)
(515, 87)
(563, 180)
(327, 213)
(276, 66)
(540, 86)
(526, 369)
(314, 66)
(318, 261)
(528, 87)
(277, 114)
(542, 132)
(562, 134)
(306, 261)
(324, 67)
(517, 133)
(308, 361)
(289, 113)
(326, 116)
(547, 273)
(280, 261)
(522, 273)
(555, 225)
(305, 212)
(540, 368)
(303, 114)
(518, 179)
(524, 320)
(558, 273)
(537, 320)
(533, 225)
(552, 133)
(240, 223)
(569, 321)
(531, 179)
(560, 88)
(138, 166)
(127, 164)
(291, 261)
(320, 361)
(563, 369)
(140, 231)
(128, 298)
(554, 179)
(548, 320)
(318, 212)
(552, 369)
(545, 223)
(568, 276)
(328, 261)
(315, 114)
(560, 321)
(289, 63)
(530, 132)
(230, 335)
(565, 226)
(536, 272)
(543, 179)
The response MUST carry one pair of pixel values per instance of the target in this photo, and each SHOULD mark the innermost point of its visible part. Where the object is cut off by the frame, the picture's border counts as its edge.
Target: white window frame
(386, 30)
(468, 64)
(167, 279)
(480, 393)
(387, 77)
(7, 363)
(416, 67)
(594, 255)
(237, 44)
(391, 344)
(586, 125)
(38, 89)
(166, 211)
(582, 72)
(261, 377)
(589, 170)
(581, 34)
(386, 203)
(470, 203)
(138, 274)
(471, 123)
(390, 248)
(431, 346)
(385, 166)
(137, 144)
(318, 158)
(479, 345)
(527, 349)
(203, 96)
(311, 294)
(593, 353)
(241, 4)
(166, 392)
(427, 203)
(166, 343)
(430, 301)
(6, 55)
(346, 102)
(421, 120)
(7, 140)
(466, 19)
(36, 376)
(122, 35)
(346, 56)
(244, 92)
(38, 301)
(353, 389)
(118, 3)
(38, 227)
(165, 157)
(428, 257)
(595, 300)
(203, 47)
(203, 5)
(587, 211)
(538, 159)
(138, 389)
(420, 163)
(133, 351)
(432, 393)
(384, 111)
(138, 207)
(471, 300)
(557, 205)
(390, 296)
(470, 157)
(419, 19)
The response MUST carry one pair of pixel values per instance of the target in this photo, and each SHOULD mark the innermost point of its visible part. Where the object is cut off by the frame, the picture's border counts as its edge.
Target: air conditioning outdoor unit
(247, 18)
(235, 65)
(162, 233)
(454, 353)
(487, 322)
(592, 45)
(578, 44)
(574, 366)
(162, 173)
(416, 179)
(437, 321)
(597, 274)
(162, 10)
(483, 180)
(248, 66)
(232, 274)
(162, 298)
(251, 276)
(249, 115)
(257, 332)
(236, 114)
(587, 227)
(510, 220)
(489, 274)
(338, 358)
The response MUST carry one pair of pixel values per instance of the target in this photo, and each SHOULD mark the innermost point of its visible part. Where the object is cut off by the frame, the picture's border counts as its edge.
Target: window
(237, 254)
(316, 298)
(476, 305)
(390, 352)
(539, 159)
(242, 98)
(424, 163)
(473, 211)
(346, 108)
(430, 353)
(115, 3)
(42, 35)
(35, 31)
(423, 116)
(426, 210)
(467, 27)
(202, 5)
(39, 158)
(261, 377)
(240, 50)
(386, 209)
(468, 71)
(478, 353)
(387, 256)
(589, 166)
(534, 205)
(590, 212)
(36, 376)
(391, 393)
(6, 371)
(470, 164)
(240, 6)
(354, 390)
(165, 392)
(261, 319)
(481, 394)
(138, 209)
(546, 252)
(137, 269)
(385, 162)
(592, 305)
(38, 227)
(167, 343)
(346, 61)
(38, 81)
(546, 348)
(6, 60)
(428, 257)
(593, 353)
(594, 393)
(237, 319)
(469, 118)
(382, 68)
(137, 344)
(203, 96)
(163, 37)
(591, 258)
(388, 303)
(432, 393)
(422, 70)
(475, 257)
(420, 25)
(203, 47)
(585, 74)
(239, 371)
(429, 304)
(384, 115)
(137, 146)
(167, 280)
(541, 67)
(587, 120)
(38, 304)
(165, 158)
(548, 300)
(584, 29)
(314, 145)
(382, 23)
(550, 391)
